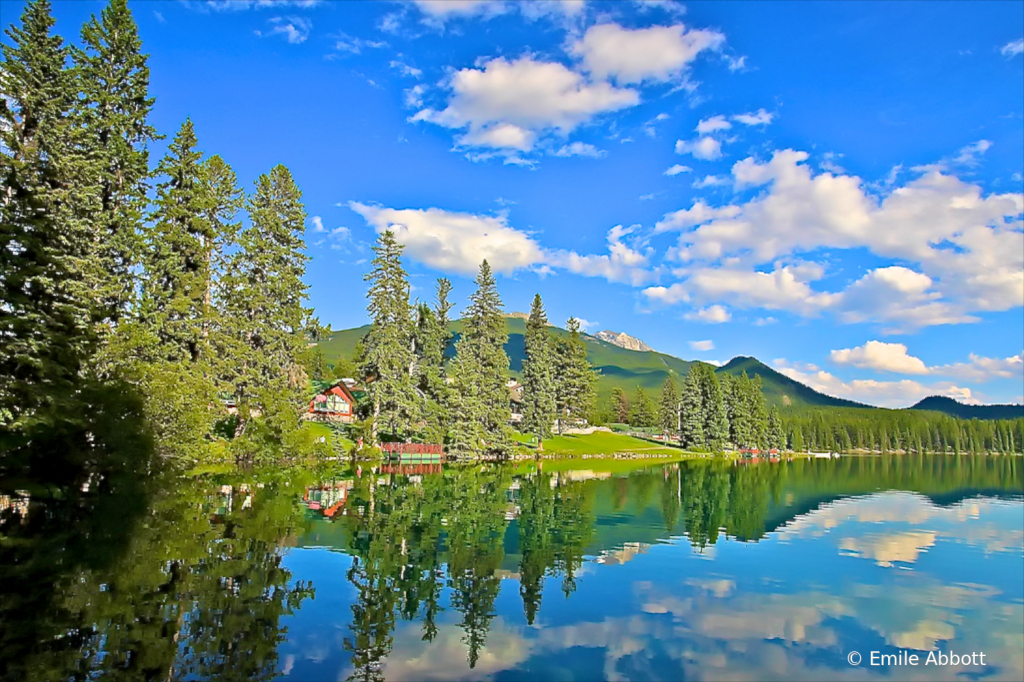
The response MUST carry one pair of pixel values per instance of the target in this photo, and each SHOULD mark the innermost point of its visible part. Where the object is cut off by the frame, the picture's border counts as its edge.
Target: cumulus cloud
(714, 314)
(437, 12)
(586, 325)
(711, 181)
(630, 56)
(713, 124)
(677, 169)
(1013, 48)
(702, 345)
(623, 263)
(760, 117)
(508, 104)
(707, 148)
(968, 155)
(580, 149)
(902, 393)
(964, 251)
(318, 224)
(880, 356)
(454, 242)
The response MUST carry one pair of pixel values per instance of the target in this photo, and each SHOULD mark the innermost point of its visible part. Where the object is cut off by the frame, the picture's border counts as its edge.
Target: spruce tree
(668, 414)
(264, 294)
(481, 371)
(388, 363)
(776, 434)
(177, 270)
(113, 77)
(715, 421)
(574, 377)
(692, 431)
(432, 337)
(46, 321)
(620, 405)
(644, 414)
(539, 407)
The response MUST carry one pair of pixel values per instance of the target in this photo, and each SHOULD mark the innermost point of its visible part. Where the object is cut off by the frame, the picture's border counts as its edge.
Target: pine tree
(481, 371)
(776, 434)
(389, 360)
(432, 337)
(715, 421)
(692, 408)
(539, 408)
(574, 377)
(264, 295)
(113, 76)
(178, 275)
(643, 414)
(668, 415)
(46, 320)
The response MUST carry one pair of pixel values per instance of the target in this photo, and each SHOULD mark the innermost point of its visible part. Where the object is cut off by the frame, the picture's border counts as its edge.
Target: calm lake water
(598, 570)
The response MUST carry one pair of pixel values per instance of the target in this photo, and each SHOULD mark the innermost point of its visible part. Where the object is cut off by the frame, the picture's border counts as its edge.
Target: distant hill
(937, 403)
(781, 390)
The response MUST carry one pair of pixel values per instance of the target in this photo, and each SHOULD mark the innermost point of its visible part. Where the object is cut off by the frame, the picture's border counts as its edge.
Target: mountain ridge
(622, 340)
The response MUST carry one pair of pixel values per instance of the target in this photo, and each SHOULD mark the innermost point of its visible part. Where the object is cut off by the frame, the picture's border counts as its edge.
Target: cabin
(515, 400)
(413, 453)
(335, 403)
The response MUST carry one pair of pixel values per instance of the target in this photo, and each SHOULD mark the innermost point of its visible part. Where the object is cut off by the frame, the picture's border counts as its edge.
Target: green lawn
(604, 443)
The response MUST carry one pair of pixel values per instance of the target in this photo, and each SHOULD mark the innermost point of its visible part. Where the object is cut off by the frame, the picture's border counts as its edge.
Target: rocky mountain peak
(622, 340)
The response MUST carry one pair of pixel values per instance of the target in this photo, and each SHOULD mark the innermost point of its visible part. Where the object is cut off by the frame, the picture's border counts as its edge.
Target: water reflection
(700, 569)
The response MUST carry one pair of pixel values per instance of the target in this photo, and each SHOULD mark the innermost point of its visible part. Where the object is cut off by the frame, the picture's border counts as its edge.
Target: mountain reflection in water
(612, 570)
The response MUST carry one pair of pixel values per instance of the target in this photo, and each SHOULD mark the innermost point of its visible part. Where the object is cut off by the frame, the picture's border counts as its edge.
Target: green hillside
(620, 367)
(953, 408)
(781, 390)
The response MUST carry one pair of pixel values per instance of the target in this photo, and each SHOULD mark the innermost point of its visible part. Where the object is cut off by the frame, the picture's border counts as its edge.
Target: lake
(583, 570)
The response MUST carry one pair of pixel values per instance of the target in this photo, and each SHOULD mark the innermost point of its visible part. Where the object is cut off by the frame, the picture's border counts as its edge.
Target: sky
(833, 188)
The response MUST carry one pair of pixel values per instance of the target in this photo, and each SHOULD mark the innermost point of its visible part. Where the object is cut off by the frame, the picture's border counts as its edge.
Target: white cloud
(318, 224)
(737, 63)
(509, 104)
(702, 345)
(713, 124)
(242, 5)
(658, 53)
(445, 9)
(707, 148)
(414, 96)
(1013, 48)
(902, 393)
(622, 263)
(159, 17)
(760, 117)
(968, 156)
(347, 43)
(711, 181)
(964, 251)
(580, 149)
(454, 242)
(677, 169)
(984, 369)
(714, 314)
(880, 356)
(457, 242)
(405, 69)
(437, 12)
(586, 325)
(764, 321)
(295, 29)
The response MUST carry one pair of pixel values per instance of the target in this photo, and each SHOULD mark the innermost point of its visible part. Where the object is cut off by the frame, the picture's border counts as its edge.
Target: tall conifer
(539, 407)
(692, 432)
(668, 414)
(389, 359)
(575, 378)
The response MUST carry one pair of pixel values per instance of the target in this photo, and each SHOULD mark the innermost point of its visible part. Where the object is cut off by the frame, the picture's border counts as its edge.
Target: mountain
(781, 390)
(936, 403)
(622, 340)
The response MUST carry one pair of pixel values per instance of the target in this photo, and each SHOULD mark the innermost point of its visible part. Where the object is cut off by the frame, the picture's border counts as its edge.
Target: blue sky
(833, 188)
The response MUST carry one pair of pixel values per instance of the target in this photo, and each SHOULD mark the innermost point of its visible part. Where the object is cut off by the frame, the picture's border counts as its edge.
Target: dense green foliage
(539, 387)
(574, 378)
(164, 292)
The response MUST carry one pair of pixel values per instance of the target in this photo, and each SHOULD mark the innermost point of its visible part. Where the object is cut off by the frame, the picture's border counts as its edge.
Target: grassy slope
(623, 368)
(603, 443)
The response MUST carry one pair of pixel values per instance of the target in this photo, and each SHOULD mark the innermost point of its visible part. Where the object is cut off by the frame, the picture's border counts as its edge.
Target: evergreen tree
(178, 270)
(539, 408)
(389, 362)
(620, 405)
(643, 413)
(481, 371)
(46, 320)
(264, 296)
(715, 421)
(113, 79)
(776, 434)
(432, 337)
(574, 377)
(668, 415)
(692, 408)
